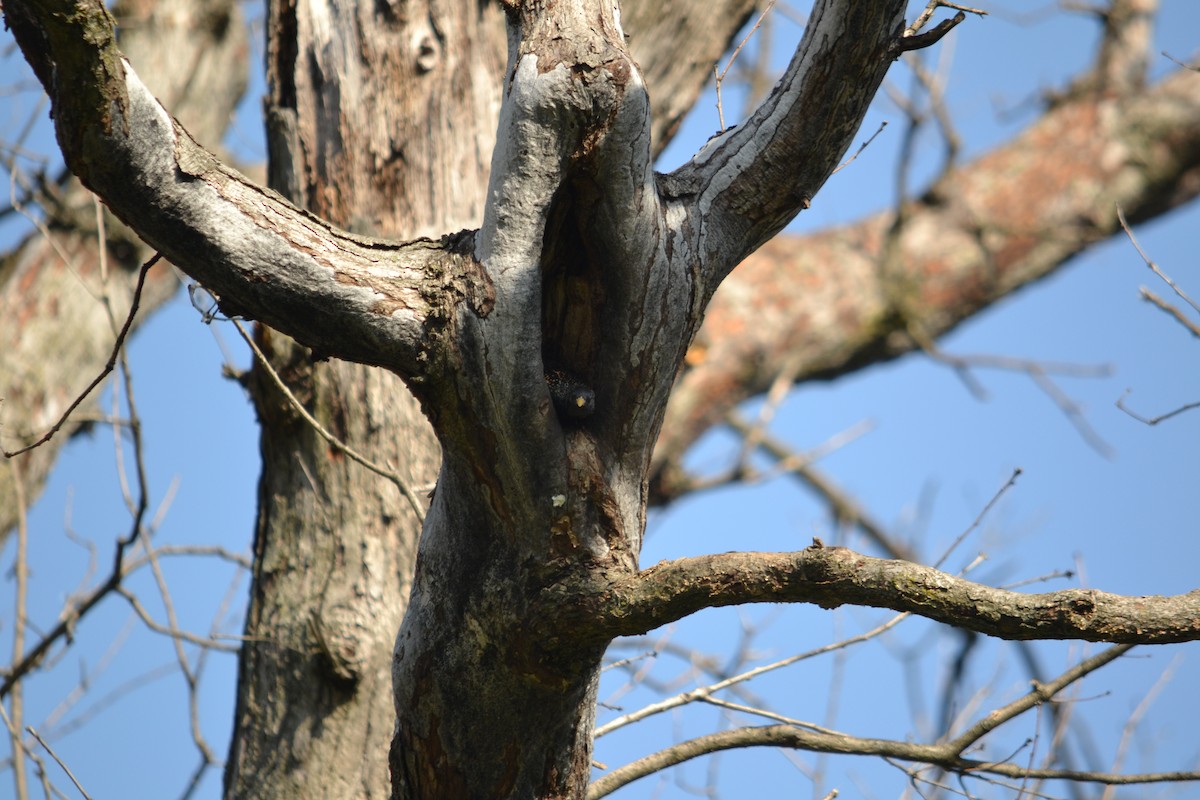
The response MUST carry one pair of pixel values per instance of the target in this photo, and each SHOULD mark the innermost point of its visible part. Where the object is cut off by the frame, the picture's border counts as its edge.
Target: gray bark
(585, 259)
(375, 122)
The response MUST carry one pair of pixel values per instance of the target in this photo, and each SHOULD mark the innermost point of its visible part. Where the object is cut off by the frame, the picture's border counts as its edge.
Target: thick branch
(746, 184)
(821, 305)
(357, 298)
(834, 576)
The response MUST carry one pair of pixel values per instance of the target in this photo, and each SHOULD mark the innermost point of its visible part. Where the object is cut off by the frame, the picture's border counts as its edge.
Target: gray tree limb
(834, 576)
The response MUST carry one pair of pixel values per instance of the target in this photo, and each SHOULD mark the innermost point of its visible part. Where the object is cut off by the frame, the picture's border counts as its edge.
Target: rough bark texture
(596, 263)
(834, 576)
(382, 119)
(393, 138)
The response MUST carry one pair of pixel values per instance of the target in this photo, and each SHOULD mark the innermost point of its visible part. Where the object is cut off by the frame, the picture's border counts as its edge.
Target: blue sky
(934, 456)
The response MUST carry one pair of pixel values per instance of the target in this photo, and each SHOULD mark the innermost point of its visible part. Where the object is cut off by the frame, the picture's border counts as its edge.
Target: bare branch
(947, 755)
(60, 763)
(1167, 308)
(1150, 263)
(971, 240)
(21, 573)
(738, 170)
(705, 693)
(172, 631)
(353, 454)
(1154, 420)
(979, 518)
(108, 367)
(1135, 718)
(721, 73)
(834, 576)
(927, 13)
(1174, 312)
(918, 41)
(1041, 693)
(350, 296)
(845, 508)
(1181, 63)
(800, 739)
(866, 143)
(79, 607)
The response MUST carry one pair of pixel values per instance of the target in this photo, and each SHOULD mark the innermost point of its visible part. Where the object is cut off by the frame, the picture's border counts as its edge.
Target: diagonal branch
(354, 297)
(747, 183)
(917, 41)
(109, 366)
(988, 228)
(835, 576)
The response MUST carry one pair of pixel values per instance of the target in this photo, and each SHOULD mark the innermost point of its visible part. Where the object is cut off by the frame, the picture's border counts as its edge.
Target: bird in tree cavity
(573, 399)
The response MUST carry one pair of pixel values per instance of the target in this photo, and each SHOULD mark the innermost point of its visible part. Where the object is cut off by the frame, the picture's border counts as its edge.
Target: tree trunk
(380, 118)
(588, 269)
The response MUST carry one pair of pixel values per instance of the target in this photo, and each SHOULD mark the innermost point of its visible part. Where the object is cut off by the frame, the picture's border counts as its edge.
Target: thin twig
(707, 691)
(778, 391)
(1050, 576)
(353, 454)
(21, 572)
(947, 755)
(1153, 420)
(139, 681)
(733, 57)
(1012, 479)
(108, 367)
(1033, 748)
(172, 631)
(60, 762)
(860, 149)
(1041, 693)
(1166, 307)
(624, 662)
(1150, 263)
(761, 712)
(1037, 372)
(1135, 717)
(933, 5)
(720, 74)
(1181, 63)
(844, 508)
(720, 106)
(71, 615)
